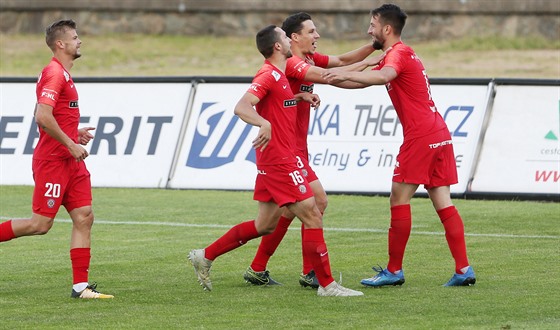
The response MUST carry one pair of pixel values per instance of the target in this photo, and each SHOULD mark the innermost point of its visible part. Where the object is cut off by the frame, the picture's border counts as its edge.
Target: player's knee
(83, 220)
(41, 227)
(322, 204)
(265, 230)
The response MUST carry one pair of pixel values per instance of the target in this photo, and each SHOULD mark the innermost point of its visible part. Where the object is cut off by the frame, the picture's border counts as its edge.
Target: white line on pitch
(370, 230)
(351, 230)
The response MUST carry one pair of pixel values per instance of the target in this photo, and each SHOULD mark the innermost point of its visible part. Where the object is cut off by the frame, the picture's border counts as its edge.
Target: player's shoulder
(269, 73)
(55, 70)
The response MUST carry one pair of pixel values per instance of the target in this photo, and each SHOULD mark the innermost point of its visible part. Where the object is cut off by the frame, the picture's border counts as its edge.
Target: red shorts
(427, 160)
(61, 182)
(282, 184)
(306, 170)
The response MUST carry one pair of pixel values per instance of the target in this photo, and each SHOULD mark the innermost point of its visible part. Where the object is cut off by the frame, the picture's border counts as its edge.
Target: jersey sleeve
(395, 59)
(260, 85)
(296, 68)
(50, 85)
(321, 60)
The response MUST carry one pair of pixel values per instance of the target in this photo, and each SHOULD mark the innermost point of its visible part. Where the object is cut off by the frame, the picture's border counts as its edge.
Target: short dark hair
(390, 14)
(294, 23)
(266, 38)
(56, 30)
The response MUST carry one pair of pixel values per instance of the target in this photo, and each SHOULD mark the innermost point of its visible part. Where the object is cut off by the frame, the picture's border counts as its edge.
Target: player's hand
(78, 152)
(84, 136)
(333, 76)
(313, 99)
(374, 60)
(264, 136)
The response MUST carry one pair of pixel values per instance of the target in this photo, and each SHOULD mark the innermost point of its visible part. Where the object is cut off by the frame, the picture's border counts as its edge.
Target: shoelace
(93, 287)
(378, 269)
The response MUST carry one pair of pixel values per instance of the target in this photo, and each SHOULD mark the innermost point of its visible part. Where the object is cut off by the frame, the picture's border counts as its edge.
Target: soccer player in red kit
(59, 171)
(303, 69)
(279, 181)
(426, 155)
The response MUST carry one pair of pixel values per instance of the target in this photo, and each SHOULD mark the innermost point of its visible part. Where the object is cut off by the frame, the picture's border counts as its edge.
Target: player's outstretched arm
(351, 57)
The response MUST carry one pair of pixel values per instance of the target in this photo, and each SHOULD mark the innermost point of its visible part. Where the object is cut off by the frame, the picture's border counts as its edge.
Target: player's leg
(78, 200)
(238, 235)
(454, 234)
(37, 225)
(315, 248)
(307, 276)
(269, 243)
(401, 223)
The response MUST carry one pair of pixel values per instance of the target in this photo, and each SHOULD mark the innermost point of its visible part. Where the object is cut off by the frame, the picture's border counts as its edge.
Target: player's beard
(377, 45)
(77, 55)
(289, 54)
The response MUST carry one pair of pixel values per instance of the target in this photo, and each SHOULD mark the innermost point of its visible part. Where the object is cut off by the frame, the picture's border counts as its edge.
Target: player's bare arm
(351, 57)
(316, 74)
(245, 109)
(310, 98)
(365, 78)
(45, 119)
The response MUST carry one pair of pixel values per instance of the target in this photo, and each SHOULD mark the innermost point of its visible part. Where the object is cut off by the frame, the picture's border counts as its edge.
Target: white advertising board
(17, 132)
(521, 151)
(216, 152)
(354, 138)
(137, 128)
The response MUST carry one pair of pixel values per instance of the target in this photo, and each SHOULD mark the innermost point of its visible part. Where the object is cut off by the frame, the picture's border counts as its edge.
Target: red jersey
(410, 93)
(56, 88)
(277, 105)
(296, 69)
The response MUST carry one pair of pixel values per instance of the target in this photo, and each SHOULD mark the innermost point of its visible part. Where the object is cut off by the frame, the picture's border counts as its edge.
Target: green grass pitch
(142, 236)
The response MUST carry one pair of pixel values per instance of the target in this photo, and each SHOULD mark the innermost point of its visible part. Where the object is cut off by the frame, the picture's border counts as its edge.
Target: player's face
(284, 42)
(72, 43)
(308, 37)
(376, 32)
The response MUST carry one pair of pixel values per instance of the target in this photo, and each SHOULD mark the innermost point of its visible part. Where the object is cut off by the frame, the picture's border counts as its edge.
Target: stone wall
(428, 19)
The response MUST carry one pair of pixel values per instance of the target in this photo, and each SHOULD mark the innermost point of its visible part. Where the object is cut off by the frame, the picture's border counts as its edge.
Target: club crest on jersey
(66, 76)
(73, 104)
(290, 103)
(50, 203)
(276, 75)
(306, 88)
(302, 189)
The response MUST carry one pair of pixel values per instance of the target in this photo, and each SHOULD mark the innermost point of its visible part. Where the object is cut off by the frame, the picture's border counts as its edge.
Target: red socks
(80, 258)
(455, 235)
(315, 249)
(307, 265)
(234, 238)
(399, 232)
(269, 244)
(6, 231)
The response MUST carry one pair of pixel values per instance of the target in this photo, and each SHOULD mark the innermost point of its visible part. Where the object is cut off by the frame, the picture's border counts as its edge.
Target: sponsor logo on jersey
(306, 88)
(48, 95)
(440, 144)
(290, 103)
(73, 104)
